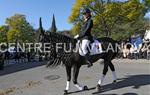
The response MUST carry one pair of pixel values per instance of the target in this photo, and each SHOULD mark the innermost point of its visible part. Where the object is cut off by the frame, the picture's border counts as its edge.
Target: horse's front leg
(75, 77)
(68, 71)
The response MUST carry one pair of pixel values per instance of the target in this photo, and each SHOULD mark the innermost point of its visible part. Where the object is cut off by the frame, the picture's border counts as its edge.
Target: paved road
(35, 79)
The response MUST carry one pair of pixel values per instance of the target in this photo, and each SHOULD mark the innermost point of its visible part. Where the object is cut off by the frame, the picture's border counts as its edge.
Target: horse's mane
(61, 56)
(57, 37)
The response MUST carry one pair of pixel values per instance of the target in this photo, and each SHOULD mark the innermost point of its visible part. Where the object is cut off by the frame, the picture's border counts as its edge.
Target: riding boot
(88, 59)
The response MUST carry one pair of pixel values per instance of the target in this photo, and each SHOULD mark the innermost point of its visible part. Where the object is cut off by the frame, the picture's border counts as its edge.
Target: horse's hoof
(98, 88)
(65, 92)
(85, 88)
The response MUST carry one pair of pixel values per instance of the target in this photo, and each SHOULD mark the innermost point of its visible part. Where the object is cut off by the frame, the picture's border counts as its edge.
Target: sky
(34, 9)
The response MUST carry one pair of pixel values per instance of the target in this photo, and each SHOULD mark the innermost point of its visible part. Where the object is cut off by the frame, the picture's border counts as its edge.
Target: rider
(85, 35)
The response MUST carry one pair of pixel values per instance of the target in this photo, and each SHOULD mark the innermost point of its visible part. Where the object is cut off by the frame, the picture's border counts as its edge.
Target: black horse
(74, 59)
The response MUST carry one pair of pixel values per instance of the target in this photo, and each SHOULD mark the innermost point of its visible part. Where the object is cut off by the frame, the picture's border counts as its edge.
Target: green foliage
(12, 35)
(76, 9)
(124, 31)
(76, 29)
(3, 33)
(19, 29)
(147, 4)
(110, 17)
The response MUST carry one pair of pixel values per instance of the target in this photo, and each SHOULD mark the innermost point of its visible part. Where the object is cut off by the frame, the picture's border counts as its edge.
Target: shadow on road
(19, 67)
(134, 81)
(119, 94)
(81, 90)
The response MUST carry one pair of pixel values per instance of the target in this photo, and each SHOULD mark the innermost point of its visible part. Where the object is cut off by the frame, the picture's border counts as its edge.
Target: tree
(53, 27)
(124, 31)
(108, 14)
(40, 31)
(3, 33)
(19, 29)
(147, 4)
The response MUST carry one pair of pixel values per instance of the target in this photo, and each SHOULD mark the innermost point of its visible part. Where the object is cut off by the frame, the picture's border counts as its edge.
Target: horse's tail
(53, 63)
(61, 59)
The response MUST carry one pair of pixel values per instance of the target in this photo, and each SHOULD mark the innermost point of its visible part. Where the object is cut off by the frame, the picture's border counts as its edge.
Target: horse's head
(43, 38)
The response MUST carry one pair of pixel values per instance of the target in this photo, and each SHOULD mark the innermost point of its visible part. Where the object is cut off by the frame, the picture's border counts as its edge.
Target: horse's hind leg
(75, 77)
(68, 71)
(105, 70)
(113, 71)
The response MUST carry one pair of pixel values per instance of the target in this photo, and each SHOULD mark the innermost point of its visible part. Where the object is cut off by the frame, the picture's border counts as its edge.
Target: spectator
(7, 56)
(29, 57)
(1, 61)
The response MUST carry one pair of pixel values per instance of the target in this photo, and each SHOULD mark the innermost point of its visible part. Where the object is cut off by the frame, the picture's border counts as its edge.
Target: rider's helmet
(86, 11)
